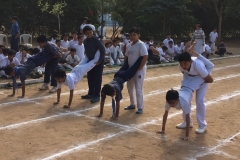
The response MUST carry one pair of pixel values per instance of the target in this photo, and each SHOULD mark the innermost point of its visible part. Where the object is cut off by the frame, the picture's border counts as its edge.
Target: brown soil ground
(33, 128)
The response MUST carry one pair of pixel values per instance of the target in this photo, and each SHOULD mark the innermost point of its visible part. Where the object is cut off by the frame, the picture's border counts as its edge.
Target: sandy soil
(33, 128)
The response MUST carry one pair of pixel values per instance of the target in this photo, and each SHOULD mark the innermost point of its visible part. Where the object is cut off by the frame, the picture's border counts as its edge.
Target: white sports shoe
(183, 125)
(54, 89)
(201, 130)
(44, 87)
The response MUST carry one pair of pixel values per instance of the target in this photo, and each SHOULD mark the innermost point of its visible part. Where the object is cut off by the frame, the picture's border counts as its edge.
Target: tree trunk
(59, 24)
(219, 14)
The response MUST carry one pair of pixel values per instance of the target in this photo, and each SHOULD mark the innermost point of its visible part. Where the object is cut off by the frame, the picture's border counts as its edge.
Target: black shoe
(86, 97)
(95, 99)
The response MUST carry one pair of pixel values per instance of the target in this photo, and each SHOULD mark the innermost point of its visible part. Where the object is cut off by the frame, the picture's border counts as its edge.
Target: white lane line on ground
(42, 97)
(214, 150)
(180, 74)
(152, 93)
(157, 92)
(85, 90)
(80, 146)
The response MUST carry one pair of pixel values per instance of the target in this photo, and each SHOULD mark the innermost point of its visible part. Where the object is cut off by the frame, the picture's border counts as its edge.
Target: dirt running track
(33, 128)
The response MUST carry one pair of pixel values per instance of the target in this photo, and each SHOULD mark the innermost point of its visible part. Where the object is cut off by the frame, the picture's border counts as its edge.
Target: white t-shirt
(207, 48)
(80, 51)
(167, 40)
(104, 30)
(160, 51)
(72, 43)
(171, 50)
(1, 59)
(73, 60)
(185, 98)
(70, 81)
(19, 56)
(64, 44)
(114, 51)
(147, 46)
(133, 52)
(82, 26)
(6, 62)
(213, 36)
(178, 49)
(194, 77)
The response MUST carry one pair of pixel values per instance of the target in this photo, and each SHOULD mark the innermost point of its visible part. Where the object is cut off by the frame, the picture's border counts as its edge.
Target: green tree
(57, 10)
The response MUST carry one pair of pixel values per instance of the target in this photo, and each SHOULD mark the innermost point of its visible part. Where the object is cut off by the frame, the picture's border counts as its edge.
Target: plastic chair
(25, 38)
(2, 36)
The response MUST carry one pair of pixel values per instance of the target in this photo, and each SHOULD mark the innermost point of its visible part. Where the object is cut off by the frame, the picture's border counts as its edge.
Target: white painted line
(84, 145)
(152, 93)
(85, 90)
(214, 150)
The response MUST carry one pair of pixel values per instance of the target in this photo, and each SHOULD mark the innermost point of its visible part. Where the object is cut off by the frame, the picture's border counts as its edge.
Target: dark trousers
(50, 69)
(94, 77)
(14, 43)
(127, 73)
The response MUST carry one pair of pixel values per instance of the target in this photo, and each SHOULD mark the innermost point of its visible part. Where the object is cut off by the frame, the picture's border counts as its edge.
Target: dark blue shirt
(51, 48)
(117, 84)
(24, 69)
(15, 29)
(91, 46)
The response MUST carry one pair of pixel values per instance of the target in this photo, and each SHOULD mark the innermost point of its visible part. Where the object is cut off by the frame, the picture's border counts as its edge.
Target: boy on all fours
(134, 50)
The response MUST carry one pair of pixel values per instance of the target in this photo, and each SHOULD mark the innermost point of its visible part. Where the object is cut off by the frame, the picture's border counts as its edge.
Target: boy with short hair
(182, 99)
(10, 59)
(135, 50)
(72, 78)
(83, 25)
(74, 41)
(178, 50)
(171, 51)
(115, 53)
(166, 41)
(80, 48)
(221, 49)
(72, 59)
(64, 46)
(23, 55)
(115, 87)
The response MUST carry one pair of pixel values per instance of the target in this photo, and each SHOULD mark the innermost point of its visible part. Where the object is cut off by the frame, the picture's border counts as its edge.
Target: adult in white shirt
(102, 30)
(166, 41)
(65, 45)
(74, 41)
(83, 25)
(199, 36)
(80, 50)
(115, 53)
(213, 38)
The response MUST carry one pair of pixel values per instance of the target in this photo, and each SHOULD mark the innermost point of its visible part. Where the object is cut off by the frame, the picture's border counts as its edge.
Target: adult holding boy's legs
(135, 86)
(51, 66)
(92, 44)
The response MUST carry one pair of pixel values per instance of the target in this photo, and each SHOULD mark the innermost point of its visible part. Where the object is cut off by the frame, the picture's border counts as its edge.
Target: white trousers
(112, 61)
(212, 46)
(200, 106)
(135, 88)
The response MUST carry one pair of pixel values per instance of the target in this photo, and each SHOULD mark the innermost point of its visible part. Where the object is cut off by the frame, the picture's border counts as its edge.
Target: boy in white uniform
(74, 41)
(213, 38)
(80, 50)
(166, 41)
(72, 59)
(182, 99)
(64, 45)
(72, 78)
(135, 86)
(23, 56)
(171, 51)
(115, 53)
(202, 68)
